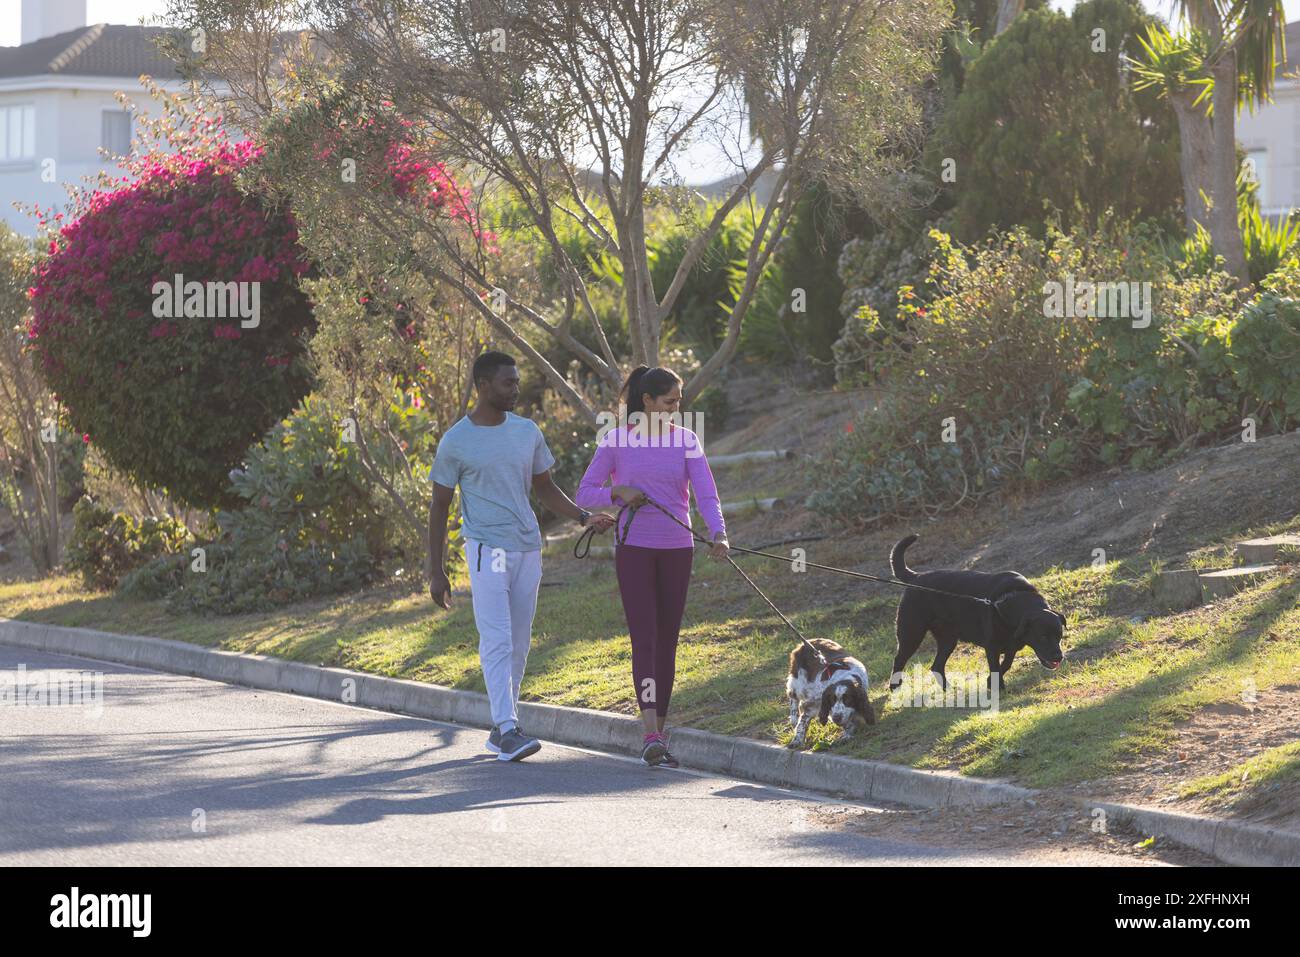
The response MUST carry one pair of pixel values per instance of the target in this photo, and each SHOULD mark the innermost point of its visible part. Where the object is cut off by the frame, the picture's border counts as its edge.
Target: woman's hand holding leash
(719, 550)
(629, 494)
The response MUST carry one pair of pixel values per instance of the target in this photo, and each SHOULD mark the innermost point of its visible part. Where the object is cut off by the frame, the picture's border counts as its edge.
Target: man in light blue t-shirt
(495, 457)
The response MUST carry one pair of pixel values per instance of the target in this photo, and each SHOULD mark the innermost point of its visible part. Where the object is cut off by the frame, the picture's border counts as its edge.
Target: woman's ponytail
(631, 394)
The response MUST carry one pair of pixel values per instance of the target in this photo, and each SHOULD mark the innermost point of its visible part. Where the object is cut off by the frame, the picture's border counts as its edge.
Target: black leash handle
(582, 546)
(584, 542)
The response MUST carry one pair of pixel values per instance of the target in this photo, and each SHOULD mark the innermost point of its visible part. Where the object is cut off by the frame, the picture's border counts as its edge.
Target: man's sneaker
(494, 740)
(655, 749)
(515, 745)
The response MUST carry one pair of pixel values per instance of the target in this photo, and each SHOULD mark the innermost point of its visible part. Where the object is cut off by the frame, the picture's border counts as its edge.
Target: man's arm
(553, 497)
(439, 585)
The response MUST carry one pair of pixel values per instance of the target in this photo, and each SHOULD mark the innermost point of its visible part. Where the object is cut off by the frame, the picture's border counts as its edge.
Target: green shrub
(156, 579)
(981, 353)
(807, 260)
(1261, 346)
(1284, 281)
(106, 545)
(234, 583)
(1035, 396)
(879, 274)
(305, 487)
(713, 408)
(310, 527)
(1145, 392)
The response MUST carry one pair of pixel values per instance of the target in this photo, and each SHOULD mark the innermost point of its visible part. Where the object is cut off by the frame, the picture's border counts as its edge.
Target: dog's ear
(1062, 617)
(828, 699)
(862, 704)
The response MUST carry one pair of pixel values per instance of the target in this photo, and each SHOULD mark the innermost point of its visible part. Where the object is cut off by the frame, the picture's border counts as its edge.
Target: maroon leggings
(653, 583)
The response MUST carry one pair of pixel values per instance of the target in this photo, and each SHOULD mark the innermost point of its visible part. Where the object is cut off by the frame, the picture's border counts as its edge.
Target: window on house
(1257, 164)
(17, 132)
(116, 137)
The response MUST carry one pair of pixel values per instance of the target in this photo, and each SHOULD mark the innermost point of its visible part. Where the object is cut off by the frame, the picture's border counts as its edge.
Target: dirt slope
(1162, 513)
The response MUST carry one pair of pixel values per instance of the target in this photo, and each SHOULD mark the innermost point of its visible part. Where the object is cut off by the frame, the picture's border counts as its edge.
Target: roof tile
(101, 50)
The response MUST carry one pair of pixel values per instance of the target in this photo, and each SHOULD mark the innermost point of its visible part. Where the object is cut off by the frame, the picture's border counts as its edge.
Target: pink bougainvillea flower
(97, 331)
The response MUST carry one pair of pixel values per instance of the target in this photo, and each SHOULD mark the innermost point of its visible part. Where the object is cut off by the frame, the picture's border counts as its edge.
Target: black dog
(1018, 617)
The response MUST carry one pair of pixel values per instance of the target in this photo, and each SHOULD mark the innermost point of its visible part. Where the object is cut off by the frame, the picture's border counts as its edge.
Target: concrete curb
(1244, 845)
(1230, 842)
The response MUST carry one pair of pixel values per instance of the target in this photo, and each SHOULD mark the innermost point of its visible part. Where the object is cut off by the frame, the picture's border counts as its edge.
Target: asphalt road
(181, 771)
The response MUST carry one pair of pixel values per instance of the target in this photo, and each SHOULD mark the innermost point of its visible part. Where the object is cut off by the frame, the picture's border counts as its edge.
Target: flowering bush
(386, 152)
(174, 400)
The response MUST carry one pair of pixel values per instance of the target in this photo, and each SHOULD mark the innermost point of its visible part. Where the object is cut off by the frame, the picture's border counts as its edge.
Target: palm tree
(1175, 66)
(1231, 55)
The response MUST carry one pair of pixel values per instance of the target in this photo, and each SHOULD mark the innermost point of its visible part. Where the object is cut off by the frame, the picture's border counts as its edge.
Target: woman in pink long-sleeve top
(662, 461)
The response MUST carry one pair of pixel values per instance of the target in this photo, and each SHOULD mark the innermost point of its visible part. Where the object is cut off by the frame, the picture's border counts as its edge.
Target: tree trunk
(1196, 138)
(638, 290)
(1008, 10)
(1225, 231)
(52, 507)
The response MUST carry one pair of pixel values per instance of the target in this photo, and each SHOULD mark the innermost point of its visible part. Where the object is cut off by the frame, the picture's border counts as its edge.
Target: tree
(1046, 119)
(1225, 58)
(29, 432)
(580, 112)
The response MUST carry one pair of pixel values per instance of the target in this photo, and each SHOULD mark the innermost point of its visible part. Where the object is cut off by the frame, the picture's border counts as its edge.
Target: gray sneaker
(654, 750)
(515, 745)
(494, 740)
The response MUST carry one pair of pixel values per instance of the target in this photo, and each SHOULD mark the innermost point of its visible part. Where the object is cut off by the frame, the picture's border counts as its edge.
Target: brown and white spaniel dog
(837, 689)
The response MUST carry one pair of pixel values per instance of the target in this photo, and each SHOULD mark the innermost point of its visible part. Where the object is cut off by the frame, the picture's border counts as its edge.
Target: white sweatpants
(503, 586)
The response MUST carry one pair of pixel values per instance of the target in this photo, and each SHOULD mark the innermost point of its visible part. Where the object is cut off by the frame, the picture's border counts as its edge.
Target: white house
(1271, 136)
(57, 104)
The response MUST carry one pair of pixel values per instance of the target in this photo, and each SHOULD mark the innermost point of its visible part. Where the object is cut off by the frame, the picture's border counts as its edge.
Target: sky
(97, 11)
(130, 11)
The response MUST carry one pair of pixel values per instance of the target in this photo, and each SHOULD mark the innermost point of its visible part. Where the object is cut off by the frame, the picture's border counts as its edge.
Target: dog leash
(782, 558)
(584, 543)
